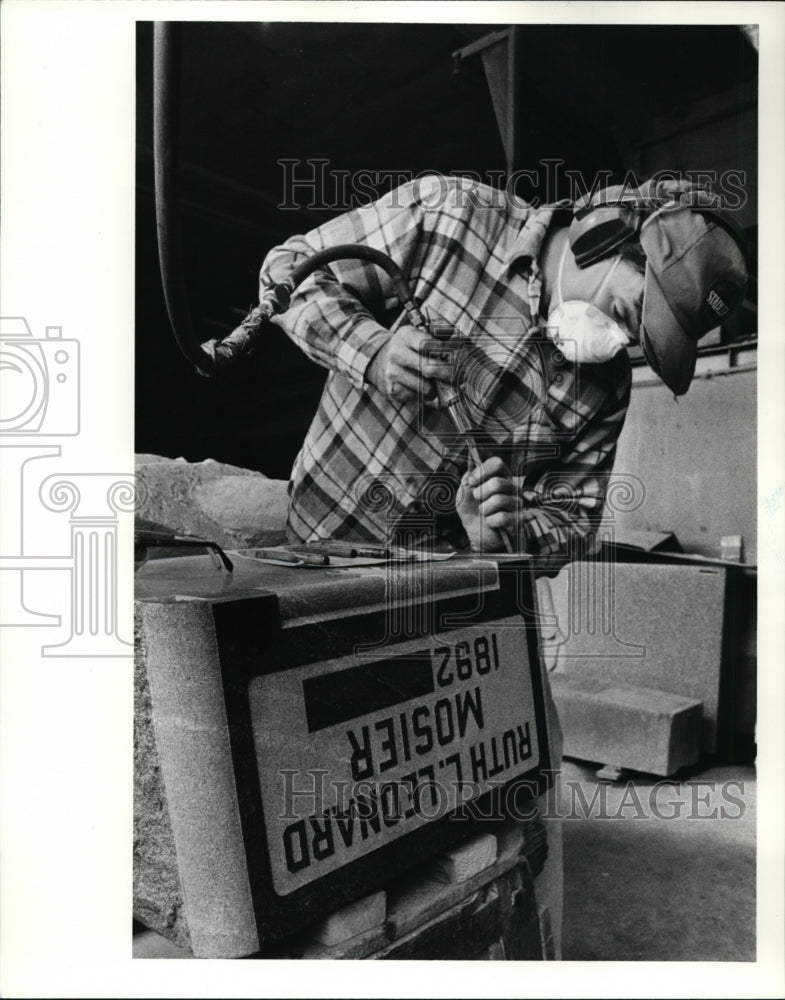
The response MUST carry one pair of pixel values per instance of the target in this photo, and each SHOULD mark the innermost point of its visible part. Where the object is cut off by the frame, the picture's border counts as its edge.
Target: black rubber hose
(166, 143)
(217, 355)
(357, 251)
(223, 353)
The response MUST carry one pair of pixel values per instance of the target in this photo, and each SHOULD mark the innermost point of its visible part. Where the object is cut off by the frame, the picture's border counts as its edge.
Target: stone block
(663, 627)
(467, 860)
(237, 508)
(228, 709)
(633, 727)
(351, 920)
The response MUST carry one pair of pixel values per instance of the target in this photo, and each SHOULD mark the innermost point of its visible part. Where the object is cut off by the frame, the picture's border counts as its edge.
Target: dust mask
(581, 331)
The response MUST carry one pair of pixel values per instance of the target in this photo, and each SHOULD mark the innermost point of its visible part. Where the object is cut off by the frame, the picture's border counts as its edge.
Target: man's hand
(486, 502)
(405, 369)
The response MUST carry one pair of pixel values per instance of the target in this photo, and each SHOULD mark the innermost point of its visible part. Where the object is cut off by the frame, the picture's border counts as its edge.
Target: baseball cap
(696, 274)
(696, 270)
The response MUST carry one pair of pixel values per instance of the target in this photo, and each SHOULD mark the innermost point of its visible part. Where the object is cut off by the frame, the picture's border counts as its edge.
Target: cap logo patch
(717, 304)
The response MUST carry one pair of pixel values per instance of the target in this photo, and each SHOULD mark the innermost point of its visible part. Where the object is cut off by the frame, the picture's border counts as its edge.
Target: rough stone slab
(150, 944)
(157, 893)
(351, 920)
(237, 508)
(631, 727)
(466, 860)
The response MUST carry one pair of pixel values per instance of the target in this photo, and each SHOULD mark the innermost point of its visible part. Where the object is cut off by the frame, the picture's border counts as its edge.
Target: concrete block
(634, 727)
(467, 860)
(237, 508)
(351, 920)
(653, 626)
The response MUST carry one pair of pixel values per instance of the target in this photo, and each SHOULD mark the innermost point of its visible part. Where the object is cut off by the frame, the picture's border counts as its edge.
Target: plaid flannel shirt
(368, 466)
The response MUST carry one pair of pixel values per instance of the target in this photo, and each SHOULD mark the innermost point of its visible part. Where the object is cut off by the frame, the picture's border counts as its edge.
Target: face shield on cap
(696, 275)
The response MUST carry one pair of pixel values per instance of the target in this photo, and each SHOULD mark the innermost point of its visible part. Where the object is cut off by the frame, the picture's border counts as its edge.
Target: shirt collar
(526, 245)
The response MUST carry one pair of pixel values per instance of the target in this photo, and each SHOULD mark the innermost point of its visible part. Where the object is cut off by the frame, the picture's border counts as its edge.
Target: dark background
(386, 97)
